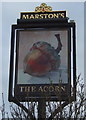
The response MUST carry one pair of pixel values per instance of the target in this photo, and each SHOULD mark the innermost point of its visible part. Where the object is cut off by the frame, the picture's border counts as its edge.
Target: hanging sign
(40, 63)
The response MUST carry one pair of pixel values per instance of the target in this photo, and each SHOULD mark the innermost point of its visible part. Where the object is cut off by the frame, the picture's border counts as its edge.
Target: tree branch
(25, 109)
(59, 109)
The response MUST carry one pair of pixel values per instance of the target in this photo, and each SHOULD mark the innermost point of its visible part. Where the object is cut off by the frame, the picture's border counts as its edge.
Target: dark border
(38, 25)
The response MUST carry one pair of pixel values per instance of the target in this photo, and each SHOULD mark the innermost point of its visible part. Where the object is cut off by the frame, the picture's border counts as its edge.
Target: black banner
(43, 15)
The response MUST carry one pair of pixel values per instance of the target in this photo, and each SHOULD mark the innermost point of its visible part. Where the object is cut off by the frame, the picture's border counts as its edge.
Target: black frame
(41, 24)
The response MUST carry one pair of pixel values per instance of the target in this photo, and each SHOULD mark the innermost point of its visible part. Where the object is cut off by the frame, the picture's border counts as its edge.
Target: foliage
(54, 110)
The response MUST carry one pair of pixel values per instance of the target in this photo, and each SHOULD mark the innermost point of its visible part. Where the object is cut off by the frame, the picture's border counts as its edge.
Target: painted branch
(59, 43)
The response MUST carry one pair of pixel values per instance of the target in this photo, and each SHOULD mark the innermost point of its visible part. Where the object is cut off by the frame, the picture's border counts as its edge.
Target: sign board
(48, 15)
(43, 12)
(41, 65)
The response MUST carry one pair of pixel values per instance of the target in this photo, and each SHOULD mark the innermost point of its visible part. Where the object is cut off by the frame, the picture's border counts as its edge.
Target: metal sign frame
(14, 88)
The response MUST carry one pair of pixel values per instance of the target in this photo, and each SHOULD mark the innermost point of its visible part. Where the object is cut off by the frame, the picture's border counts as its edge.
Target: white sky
(10, 14)
(0, 53)
(42, 0)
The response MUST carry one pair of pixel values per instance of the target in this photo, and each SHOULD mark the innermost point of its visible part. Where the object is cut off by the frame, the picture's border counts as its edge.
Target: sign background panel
(48, 91)
(27, 39)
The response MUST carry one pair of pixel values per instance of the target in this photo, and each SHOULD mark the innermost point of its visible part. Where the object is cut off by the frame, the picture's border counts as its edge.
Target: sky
(0, 53)
(42, 0)
(10, 13)
(85, 47)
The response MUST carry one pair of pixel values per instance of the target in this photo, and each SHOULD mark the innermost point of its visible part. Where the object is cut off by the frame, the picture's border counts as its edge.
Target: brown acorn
(42, 58)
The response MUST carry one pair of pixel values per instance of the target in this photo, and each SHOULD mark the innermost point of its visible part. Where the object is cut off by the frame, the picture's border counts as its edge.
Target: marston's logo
(43, 12)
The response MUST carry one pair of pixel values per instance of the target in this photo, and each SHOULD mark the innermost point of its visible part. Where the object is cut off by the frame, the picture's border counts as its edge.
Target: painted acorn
(42, 58)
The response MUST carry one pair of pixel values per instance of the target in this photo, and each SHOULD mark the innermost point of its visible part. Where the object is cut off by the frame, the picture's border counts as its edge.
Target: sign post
(42, 109)
(43, 53)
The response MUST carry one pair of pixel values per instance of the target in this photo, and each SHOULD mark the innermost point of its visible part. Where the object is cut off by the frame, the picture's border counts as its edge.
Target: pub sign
(43, 59)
